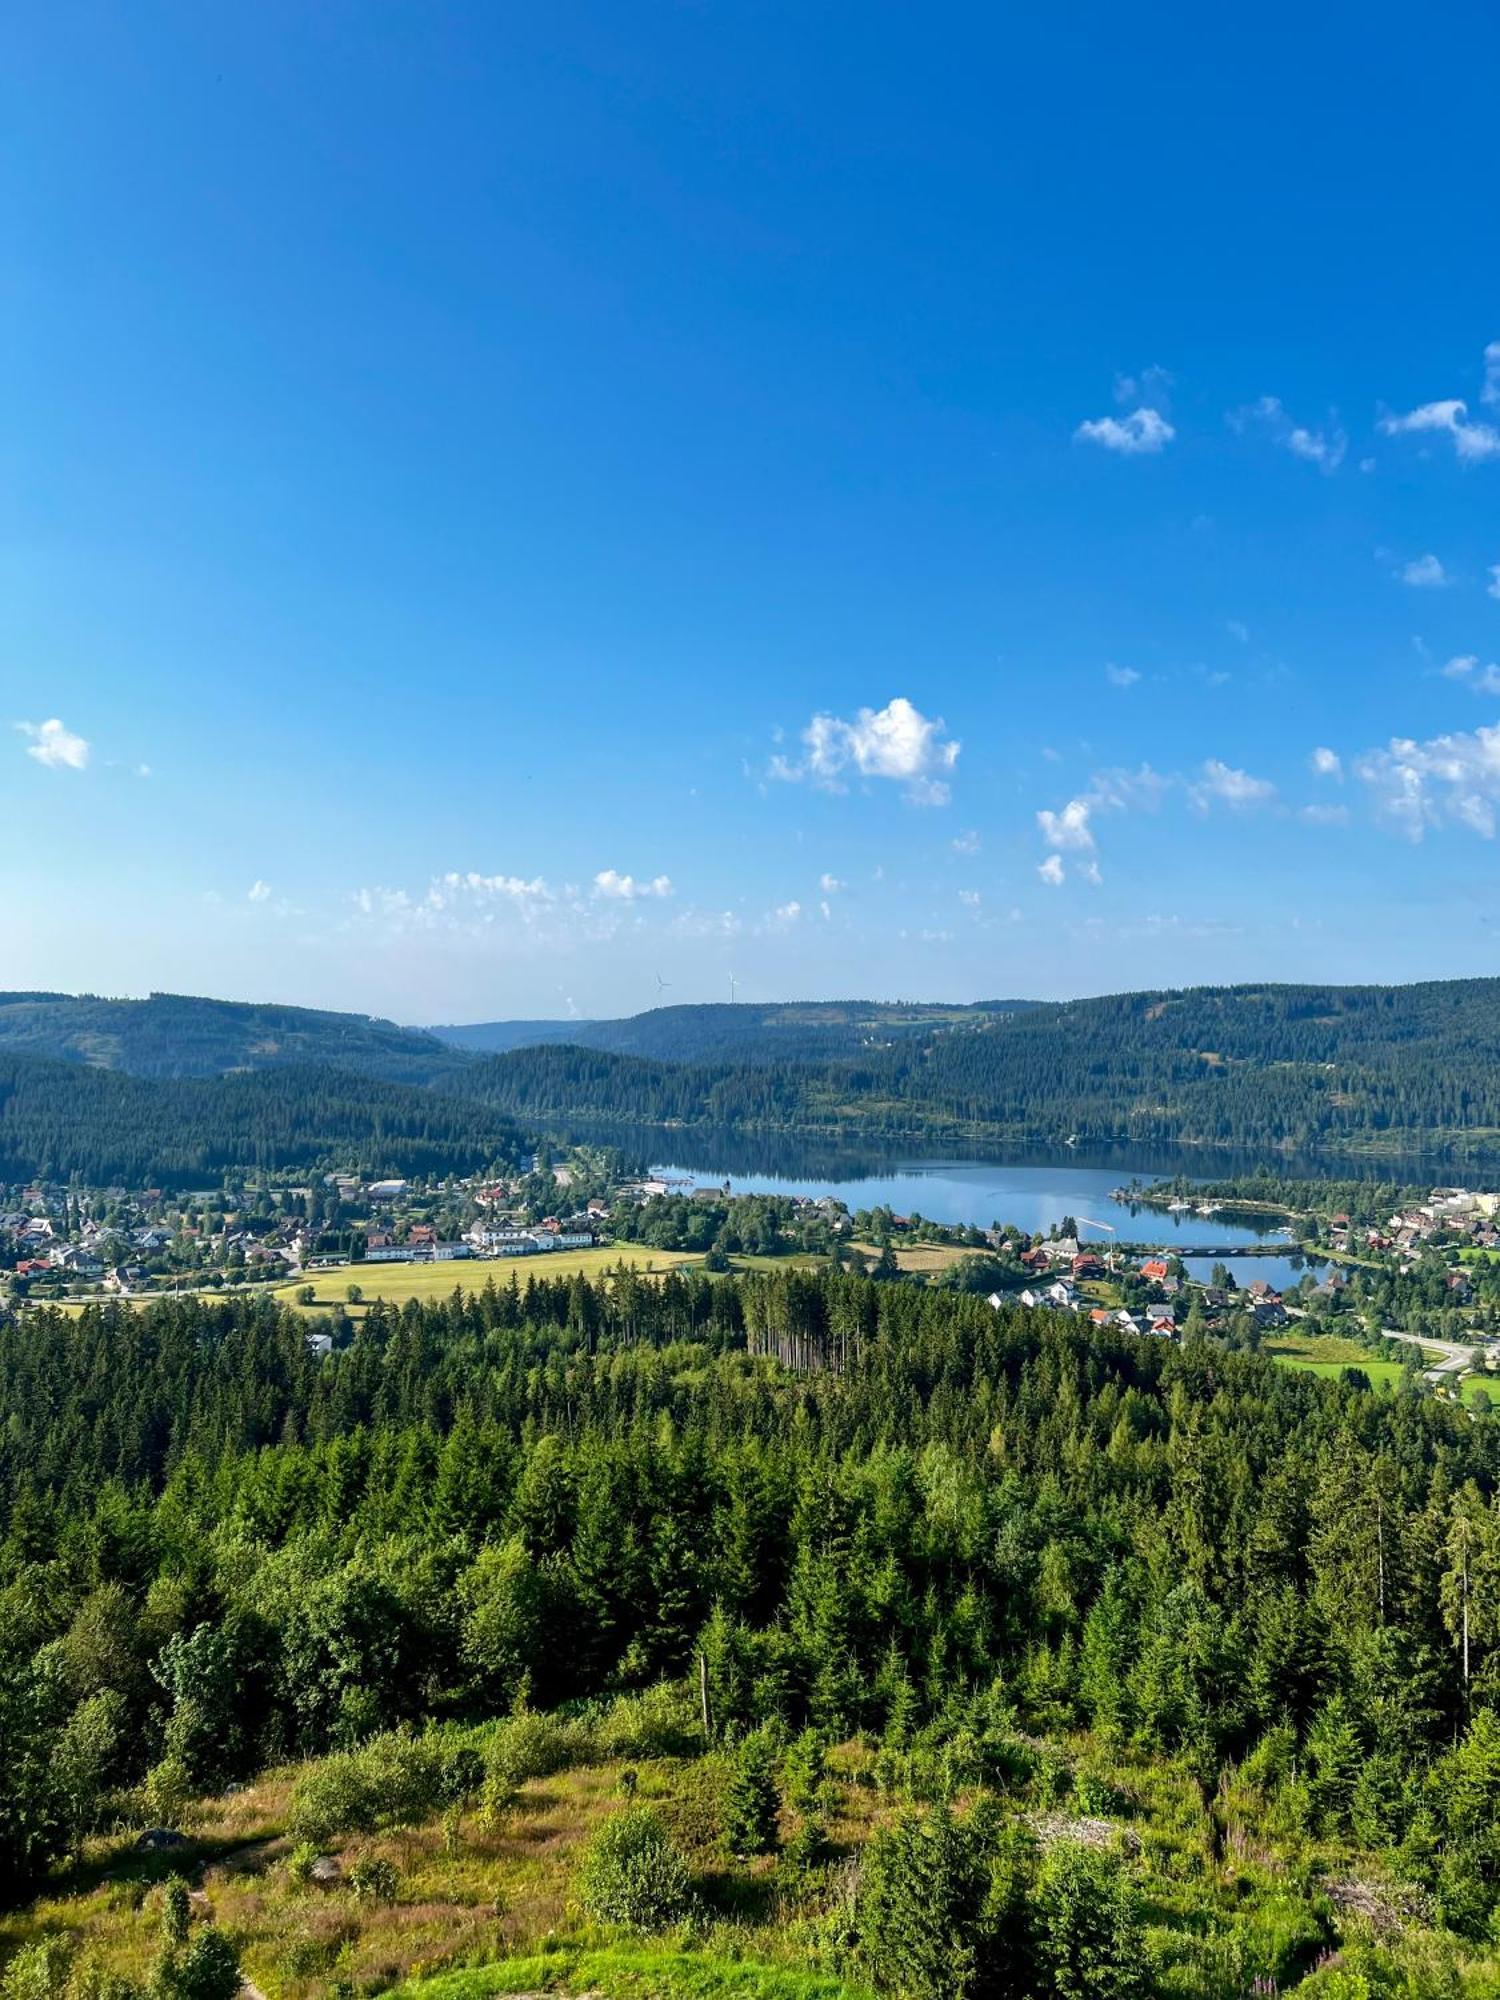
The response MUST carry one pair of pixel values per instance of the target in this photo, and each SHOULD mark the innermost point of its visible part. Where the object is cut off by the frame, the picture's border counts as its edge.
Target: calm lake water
(1283, 1272)
(1033, 1194)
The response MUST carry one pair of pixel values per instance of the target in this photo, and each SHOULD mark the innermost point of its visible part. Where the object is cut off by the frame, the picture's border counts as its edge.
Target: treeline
(65, 1121)
(218, 1551)
(1379, 1068)
(177, 1035)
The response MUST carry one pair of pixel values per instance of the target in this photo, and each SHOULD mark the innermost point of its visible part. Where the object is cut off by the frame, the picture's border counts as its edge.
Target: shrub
(921, 1921)
(634, 1874)
(1089, 1937)
(208, 1969)
(176, 1912)
(38, 1971)
(393, 1781)
(373, 1880)
(661, 1721)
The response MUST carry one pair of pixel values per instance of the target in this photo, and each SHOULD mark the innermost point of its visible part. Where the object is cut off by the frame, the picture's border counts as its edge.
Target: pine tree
(751, 1804)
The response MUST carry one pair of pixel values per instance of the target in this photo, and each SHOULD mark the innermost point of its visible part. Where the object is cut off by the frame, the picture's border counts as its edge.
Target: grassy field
(923, 1260)
(498, 1897)
(396, 1283)
(626, 1974)
(1330, 1354)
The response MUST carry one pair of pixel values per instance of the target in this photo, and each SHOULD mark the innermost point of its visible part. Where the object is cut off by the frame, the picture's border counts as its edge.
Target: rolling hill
(181, 1035)
(794, 1031)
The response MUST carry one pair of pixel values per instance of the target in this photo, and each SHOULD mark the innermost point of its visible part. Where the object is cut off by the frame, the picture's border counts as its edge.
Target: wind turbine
(661, 985)
(733, 983)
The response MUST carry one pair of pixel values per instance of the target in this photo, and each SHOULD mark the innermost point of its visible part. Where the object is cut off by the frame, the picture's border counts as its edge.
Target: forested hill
(178, 1035)
(1301, 1066)
(797, 1031)
(62, 1121)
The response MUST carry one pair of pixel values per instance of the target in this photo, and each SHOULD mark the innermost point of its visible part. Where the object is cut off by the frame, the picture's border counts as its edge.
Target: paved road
(1455, 1354)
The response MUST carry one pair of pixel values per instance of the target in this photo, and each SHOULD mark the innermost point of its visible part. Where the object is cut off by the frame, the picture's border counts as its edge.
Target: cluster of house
(421, 1244)
(90, 1254)
(1076, 1266)
(1448, 1215)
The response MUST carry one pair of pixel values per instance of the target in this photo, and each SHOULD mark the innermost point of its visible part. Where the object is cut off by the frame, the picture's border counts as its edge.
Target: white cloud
(784, 916)
(1493, 587)
(1143, 431)
(1238, 629)
(970, 898)
(970, 843)
(1120, 677)
(1221, 783)
(1052, 871)
(259, 892)
(1472, 441)
(1324, 815)
(896, 742)
(1326, 763)
(830, 884)
(1424, 573)
(1452, 779)
(615, 887)
(55, 746)
(1068, 830)
(1152, 384)
(1478, 679)
(1324, 449)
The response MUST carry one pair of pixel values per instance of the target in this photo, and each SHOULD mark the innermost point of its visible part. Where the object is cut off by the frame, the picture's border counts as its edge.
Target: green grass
(1330, 1354)
(632, 1974)
(396, 1283)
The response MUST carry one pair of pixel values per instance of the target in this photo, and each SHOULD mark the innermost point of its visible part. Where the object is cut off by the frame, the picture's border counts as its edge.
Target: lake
(1285, 1273)
(1033, 1193)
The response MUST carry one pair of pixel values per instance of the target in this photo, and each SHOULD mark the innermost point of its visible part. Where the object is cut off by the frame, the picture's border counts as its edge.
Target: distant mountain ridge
(744, 1031)
(175, 1035)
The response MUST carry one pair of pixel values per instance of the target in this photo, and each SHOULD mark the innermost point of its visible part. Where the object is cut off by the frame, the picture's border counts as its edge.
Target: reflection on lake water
(1282, 1273)
(1033, 1189)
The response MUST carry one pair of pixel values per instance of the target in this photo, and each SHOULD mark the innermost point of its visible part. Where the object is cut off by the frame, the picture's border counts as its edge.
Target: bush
(1089, 1938)
(634, 1874)
(922, 1921)
(373, 1880)
(393, 1781)
(662, 1721)
(527, 1746)
(208, 1969)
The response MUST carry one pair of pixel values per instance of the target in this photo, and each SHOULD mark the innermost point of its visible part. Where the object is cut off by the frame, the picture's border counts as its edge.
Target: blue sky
(500, 506)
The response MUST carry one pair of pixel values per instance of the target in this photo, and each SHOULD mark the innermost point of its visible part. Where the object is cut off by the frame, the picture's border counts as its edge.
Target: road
(1455, 1354)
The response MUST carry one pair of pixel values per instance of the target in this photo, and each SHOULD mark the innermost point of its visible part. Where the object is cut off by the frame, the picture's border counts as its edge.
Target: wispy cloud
(259, 892)
(830, 884)
(1325, 449)
(55, 746)
(1472, 439)
(1220, 783)
(896, 742)
(1478, 679)
(1326, 763)
(1424, 573)
(970, 843)
(1143, 433)
(615, 887)
(1493, 587)
(1120, 677)
(1153, 385)
(1053, 871)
